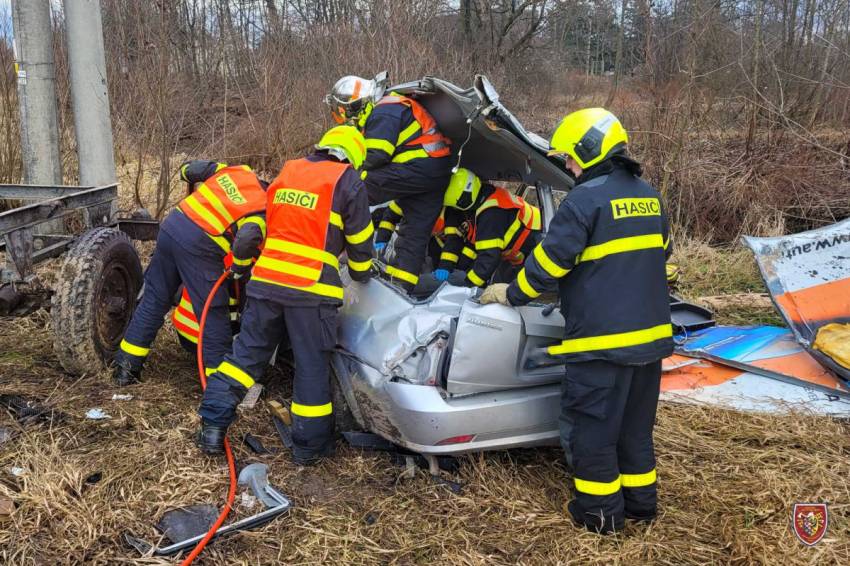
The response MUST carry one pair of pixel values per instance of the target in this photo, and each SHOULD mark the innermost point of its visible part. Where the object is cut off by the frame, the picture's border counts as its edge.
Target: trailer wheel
(95, 295)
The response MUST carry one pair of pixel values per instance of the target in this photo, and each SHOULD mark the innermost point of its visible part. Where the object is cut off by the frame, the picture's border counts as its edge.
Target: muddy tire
(94, 298)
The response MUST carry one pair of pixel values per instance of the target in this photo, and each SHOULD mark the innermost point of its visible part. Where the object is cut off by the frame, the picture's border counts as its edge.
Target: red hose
(231, 493)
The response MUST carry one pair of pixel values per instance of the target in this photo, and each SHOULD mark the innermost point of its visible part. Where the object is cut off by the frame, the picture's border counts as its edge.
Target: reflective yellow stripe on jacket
(610, 341)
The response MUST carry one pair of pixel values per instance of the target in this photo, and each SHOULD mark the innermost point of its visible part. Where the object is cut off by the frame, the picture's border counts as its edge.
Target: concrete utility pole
(37, 92)
(89, 95)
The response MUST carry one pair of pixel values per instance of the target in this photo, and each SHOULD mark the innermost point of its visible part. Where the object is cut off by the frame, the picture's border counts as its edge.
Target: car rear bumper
(423, 420)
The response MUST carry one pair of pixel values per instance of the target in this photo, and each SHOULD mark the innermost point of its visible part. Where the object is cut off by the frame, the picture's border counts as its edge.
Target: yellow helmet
(346, 143)
(463, 189)
(588, 136)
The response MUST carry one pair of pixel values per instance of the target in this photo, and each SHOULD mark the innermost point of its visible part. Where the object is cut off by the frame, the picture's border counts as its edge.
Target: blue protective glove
(380, 246)
(441, 274)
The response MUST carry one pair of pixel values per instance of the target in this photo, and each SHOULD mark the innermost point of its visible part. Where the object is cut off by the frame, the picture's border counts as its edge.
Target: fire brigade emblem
(810, 521)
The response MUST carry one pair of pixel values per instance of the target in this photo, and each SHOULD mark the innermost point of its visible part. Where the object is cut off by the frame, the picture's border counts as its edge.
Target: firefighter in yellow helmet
(605, 250)
(317, 208)
(502, 231)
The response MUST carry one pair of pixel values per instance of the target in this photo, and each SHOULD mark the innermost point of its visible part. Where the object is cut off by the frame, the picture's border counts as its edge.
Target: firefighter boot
(210, 439)
(124, 374)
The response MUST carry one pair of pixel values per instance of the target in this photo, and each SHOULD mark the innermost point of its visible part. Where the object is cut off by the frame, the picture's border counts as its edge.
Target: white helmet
(351, 94)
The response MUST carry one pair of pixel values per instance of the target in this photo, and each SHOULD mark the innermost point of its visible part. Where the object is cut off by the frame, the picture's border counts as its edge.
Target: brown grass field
(727, 481)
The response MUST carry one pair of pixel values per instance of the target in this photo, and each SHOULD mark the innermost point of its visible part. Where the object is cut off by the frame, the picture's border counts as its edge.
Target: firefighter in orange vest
(190, 249)
(408, 160)
(317, 209)
(503, 229)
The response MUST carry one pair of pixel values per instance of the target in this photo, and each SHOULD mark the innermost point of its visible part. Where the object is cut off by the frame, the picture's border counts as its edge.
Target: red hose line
(231, 464)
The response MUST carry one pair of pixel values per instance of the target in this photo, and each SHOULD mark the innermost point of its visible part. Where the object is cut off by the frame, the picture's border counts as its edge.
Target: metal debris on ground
(187, 522)
(251, 397)
(97, 414)
(121, 397)
(17, 471)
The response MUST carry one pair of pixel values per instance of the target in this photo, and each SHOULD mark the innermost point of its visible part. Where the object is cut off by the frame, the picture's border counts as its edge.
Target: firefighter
(407, 160)
(392, 215)
(317, 208)
(606, 249)
(190, 249)
(503, 229)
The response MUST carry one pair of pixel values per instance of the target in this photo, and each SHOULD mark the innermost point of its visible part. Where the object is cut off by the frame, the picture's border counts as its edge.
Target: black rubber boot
(643, 517)
(311, 458)
(210, 439)
(593, 523)
(124, 375)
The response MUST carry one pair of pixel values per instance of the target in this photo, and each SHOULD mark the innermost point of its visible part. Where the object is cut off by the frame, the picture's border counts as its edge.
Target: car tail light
(456, 439)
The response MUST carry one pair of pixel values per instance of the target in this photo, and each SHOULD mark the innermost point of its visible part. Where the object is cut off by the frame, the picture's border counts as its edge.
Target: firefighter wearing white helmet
(605, 250)
(407, 161)
(502, 231)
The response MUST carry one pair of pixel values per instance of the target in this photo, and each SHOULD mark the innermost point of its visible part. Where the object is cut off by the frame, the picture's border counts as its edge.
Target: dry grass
(727, 481)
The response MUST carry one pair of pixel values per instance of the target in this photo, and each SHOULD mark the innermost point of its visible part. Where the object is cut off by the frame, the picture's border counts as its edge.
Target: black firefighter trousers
(607, 418)
(421, 199)
(312, 335)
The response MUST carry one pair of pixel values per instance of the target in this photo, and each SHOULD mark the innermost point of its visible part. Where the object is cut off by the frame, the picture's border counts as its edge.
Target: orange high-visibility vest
(432, 141)
(230, 194)
(186, 323)
(297, 217)
(528, 220)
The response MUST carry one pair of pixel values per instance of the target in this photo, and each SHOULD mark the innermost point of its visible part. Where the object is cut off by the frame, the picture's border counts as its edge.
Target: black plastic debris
(370, 519)
(284, 432)
(368, 441)
(254, 444)
(94, 478)
(187, 522)
(28, 411)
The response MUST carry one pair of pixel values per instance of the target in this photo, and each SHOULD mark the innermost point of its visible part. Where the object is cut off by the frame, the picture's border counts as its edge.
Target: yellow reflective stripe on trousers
(408, 132)
(610, 341)
(134, 350)
(447, 256)
(302, 250)
(470, 253)
(597, 487)
(360, 236)
(208, 216)
(396, 208)
(311, 410)
(549, 266)
(360, 265)
(489, 244)
(321, 289)
(621, 245)
(410, 155)
(336, 220)
(380, 145)
(235, 373)
(386, 225)
(525, 286)
(476, 280)
(214, 201)
(402, 274)
(638, 480)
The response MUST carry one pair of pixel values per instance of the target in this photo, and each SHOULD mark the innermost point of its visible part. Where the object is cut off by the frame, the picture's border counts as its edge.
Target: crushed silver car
(444, 374)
